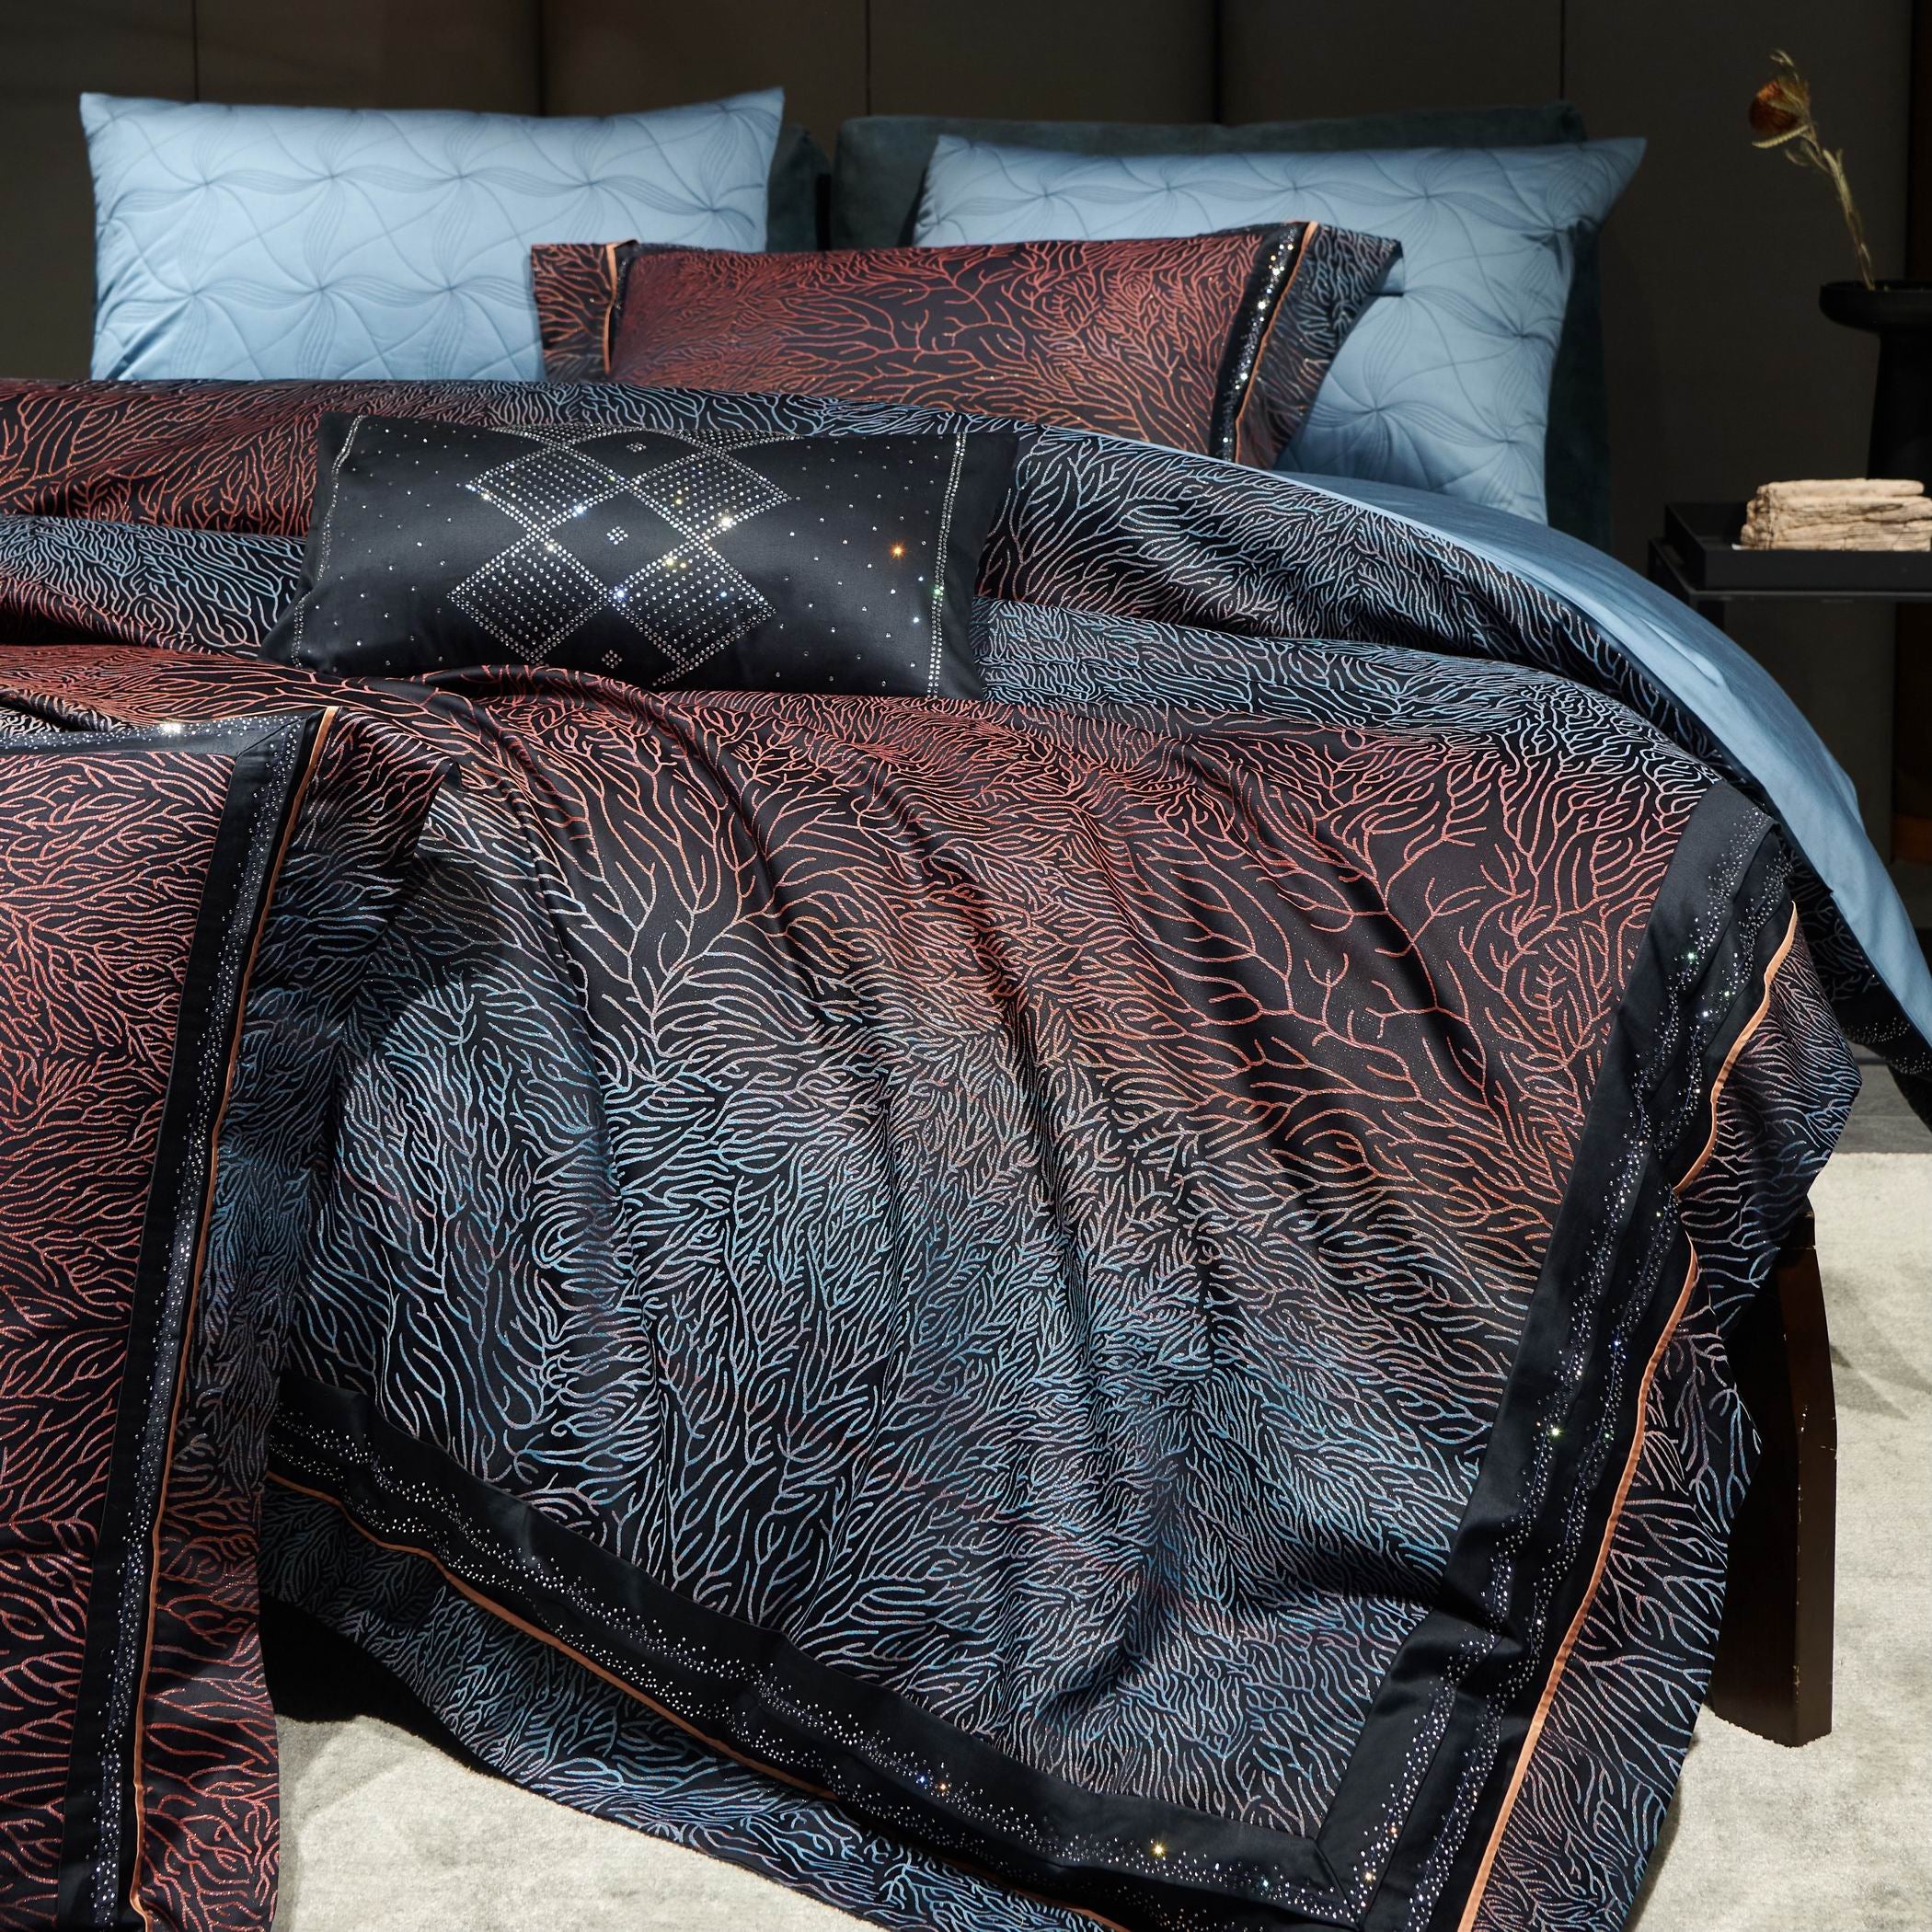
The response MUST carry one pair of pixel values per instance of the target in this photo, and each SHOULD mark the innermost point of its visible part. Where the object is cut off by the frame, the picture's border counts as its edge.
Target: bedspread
(1106, 1302)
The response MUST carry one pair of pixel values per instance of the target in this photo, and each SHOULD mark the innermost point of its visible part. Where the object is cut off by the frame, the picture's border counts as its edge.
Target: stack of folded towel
(1848, 513)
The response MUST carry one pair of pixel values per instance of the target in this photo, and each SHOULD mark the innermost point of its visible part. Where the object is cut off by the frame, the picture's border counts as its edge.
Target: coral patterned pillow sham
(1214, 344)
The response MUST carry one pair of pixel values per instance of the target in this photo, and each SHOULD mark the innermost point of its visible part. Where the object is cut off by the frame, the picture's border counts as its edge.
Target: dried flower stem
(1782, 113)
(1833, 165)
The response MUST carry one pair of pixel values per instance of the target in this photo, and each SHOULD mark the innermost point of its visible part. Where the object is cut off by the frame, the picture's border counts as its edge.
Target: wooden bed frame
(1772, 1673)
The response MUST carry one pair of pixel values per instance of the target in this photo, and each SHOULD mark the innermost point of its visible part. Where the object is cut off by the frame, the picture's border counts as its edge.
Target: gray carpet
(381, 1829)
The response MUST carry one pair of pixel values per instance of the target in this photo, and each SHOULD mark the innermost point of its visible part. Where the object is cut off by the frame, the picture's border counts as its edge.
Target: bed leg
(1772, 1673)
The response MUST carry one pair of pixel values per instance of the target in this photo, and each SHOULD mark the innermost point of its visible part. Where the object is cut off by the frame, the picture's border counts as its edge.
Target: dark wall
(1723, 372)
(1912, 806)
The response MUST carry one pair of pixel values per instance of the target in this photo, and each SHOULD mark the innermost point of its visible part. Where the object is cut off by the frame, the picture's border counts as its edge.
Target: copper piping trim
(1535, 1733)
(194, 1291)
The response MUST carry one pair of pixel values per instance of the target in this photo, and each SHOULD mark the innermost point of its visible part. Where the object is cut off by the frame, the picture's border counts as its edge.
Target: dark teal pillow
(881, 164)
(795, 199)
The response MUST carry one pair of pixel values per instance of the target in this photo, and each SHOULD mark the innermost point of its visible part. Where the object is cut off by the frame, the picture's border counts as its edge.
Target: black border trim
(271, 758)
(917, 1772)
(1616, 1266)
(1676, 1095)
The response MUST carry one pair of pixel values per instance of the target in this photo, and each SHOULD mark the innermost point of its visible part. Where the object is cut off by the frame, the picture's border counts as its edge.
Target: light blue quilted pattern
(1443, 384)
(333, 242)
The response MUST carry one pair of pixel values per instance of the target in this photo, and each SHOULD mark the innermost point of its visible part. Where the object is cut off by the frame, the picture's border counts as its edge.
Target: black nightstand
(1696, 559)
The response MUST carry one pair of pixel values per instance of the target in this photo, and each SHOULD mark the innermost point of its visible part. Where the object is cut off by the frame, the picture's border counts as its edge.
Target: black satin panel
(727, 562)
(750, 1691)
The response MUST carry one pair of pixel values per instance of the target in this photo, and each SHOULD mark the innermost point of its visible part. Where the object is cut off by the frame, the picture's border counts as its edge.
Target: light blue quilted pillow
(328, 242)
(1443, 384)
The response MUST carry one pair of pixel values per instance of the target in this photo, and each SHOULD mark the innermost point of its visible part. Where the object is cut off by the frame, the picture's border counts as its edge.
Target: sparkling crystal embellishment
(687, 601)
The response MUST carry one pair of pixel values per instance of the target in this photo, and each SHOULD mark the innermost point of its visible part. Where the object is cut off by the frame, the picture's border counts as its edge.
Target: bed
(1123, 1292)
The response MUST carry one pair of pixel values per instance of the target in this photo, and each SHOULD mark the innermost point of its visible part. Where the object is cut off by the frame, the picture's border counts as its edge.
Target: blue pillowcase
(326, 242)
(1443, 384)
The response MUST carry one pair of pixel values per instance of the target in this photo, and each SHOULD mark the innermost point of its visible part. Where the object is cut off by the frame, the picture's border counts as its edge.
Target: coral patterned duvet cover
(1103, 1305)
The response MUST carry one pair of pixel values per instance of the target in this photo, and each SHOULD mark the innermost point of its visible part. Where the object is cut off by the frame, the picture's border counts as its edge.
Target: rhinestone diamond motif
(690, 602)
(548, 487)
(530, 597)
(705, 492)
(687, 601)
